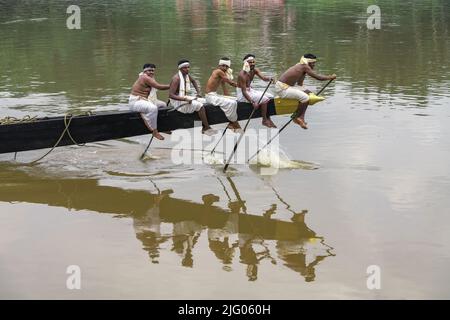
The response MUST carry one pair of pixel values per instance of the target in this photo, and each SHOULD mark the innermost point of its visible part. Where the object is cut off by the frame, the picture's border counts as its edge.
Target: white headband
(250, 58)
(148, 68)
(184, 64)
(304, 60)
(225, 63)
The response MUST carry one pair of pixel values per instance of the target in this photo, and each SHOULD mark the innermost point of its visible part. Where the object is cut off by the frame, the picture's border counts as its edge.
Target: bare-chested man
(221, 76)
(180, 99)
(246, 94)
(290, 85)
(143, 98)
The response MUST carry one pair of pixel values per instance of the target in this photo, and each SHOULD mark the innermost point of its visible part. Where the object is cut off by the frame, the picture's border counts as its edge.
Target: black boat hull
(45, 132)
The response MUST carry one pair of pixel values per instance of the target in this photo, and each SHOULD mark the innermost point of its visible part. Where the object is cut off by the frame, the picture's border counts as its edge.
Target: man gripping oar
(245, 93)
(290, 85)
(221, 76)
(143, 98)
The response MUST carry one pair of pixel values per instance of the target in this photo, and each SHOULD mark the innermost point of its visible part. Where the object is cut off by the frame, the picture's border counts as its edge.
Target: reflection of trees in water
(408, 56)
(233, 235)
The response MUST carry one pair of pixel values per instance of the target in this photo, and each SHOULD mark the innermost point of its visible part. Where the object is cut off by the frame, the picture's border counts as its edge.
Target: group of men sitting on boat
(143, 97)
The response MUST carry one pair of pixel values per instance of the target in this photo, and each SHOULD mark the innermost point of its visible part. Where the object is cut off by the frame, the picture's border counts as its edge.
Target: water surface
(378, 194)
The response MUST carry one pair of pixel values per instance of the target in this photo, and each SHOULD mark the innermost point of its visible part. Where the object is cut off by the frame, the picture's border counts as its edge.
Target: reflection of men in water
(250, 256)
(219, 238)
(185, 236)
(148, 228)
(294, 253)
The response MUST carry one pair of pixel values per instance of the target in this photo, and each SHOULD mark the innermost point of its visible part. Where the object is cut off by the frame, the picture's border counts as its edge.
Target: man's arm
(261, 76)
(194, 83)
(225, 79)
(225, 89)
(174, 84)
(153, 83)
(317, 76)
(242, 83)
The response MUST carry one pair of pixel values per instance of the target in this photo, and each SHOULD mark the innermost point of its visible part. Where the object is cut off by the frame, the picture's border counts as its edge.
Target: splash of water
(280, 159)
(213, 159)
(149, 156)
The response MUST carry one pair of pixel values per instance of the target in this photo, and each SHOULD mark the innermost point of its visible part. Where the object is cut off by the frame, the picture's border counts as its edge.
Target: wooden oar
(151, 139)
(148, 146)
(223, 133)
(285, 125)
(245, 128)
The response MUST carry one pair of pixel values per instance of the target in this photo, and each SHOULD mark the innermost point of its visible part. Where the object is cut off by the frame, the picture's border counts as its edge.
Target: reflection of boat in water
(163, 223)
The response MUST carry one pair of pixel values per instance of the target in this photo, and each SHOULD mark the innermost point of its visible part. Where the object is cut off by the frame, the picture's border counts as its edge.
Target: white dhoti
(286, 91)
(148, 109)
(186, 107)
(227, 104)
(152, 97)
(255, 95)
(159, 103)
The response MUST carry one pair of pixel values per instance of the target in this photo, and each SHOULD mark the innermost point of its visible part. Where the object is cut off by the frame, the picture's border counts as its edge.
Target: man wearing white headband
(221, 76)
(290, 85)
(180, 99)
(247, 94)
(143, 98)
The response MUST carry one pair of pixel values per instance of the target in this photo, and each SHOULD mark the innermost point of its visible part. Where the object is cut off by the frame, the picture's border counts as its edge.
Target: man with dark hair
(290, 85)
(221, 76)
(181, 100)
(143, 98)
(247, 94)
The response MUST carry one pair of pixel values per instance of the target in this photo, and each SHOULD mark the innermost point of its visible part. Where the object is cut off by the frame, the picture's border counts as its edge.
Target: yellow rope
(67, 120)
(66, 125)
(68, 131)
(13, 120)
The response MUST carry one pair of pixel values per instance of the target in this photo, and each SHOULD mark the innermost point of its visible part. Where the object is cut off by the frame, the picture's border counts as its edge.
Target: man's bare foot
(235, 127)
(209, 131)
(157, 135)
(231, 126)
(267, 123)
(301, 123)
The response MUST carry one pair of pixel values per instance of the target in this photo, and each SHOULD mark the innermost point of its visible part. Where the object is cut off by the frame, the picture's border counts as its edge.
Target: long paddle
(245, 128)
(223, 133)
(285, 125)
(151, 139)
(148, 146)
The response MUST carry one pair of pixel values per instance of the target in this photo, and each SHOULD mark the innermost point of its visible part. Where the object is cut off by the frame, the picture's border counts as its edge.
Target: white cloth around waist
(226, 103)
(185, 107)
(255, 95)
(148, 109)
(296, 92)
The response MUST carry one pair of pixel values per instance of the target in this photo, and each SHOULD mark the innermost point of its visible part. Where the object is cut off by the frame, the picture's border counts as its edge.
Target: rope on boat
(67, 120)
(13, 120)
